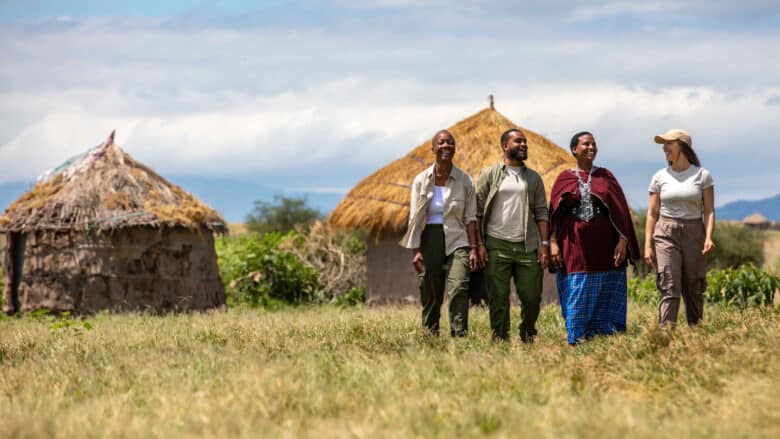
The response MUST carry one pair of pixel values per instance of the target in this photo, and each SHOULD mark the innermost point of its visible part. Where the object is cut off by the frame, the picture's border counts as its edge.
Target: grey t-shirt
(681, 192)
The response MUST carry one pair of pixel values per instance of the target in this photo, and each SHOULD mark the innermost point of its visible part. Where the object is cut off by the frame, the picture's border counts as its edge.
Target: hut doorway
(16, 258)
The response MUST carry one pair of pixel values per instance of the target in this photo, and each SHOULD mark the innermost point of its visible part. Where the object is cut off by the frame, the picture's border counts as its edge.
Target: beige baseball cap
(675, 134)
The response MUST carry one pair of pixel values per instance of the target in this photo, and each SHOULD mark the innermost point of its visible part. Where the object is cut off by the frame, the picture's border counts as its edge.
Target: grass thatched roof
(755, 218)
(103, 190)
(380, 202)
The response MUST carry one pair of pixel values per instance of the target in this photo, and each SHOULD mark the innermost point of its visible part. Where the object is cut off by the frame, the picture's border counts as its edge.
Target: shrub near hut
(257, 272)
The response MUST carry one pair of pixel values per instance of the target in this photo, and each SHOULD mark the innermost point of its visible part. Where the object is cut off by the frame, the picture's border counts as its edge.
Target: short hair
(433, 139)
(575, 140)
(505, 135)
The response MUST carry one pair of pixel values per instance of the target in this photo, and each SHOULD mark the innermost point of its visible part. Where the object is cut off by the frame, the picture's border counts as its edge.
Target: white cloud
(260, 100)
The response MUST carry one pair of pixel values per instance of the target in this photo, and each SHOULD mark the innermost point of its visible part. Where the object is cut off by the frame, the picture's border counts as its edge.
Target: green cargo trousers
(507, 260)
(443, 271)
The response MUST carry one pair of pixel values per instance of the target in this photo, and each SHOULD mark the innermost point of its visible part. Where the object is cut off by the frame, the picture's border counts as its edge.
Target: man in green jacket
(513, 217)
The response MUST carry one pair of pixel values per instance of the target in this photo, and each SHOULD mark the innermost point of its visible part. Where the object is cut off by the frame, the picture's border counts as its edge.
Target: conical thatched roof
(380, 202)
(106, 189)
(755, 219)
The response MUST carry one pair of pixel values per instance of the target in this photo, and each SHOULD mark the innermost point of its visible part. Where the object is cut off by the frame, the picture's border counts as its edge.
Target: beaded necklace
(585, 210)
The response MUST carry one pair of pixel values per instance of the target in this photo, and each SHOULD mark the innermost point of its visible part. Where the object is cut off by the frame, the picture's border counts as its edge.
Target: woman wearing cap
(443, 236)
(592, 238)
(680, 220)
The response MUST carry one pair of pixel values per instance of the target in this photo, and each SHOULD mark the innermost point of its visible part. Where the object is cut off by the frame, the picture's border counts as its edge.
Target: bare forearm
(473, 234)
(543, 228)
(709, 224)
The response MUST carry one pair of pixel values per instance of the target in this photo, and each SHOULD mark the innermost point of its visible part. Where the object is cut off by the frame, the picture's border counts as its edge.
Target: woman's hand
(556, 261)
(417, 261)
(650, 256)
(620, 252)
(473, 259)
(708, 246)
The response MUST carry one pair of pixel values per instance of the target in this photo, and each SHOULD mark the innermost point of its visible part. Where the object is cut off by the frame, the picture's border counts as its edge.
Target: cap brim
(660, 139)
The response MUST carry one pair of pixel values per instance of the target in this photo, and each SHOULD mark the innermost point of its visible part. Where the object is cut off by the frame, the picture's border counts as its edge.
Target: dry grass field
(364, 372)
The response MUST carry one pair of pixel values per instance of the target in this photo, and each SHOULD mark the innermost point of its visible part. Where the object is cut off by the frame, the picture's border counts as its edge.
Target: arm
(544, 250)
(482, 190)
(417, 257)
(653, 209)
(708, 198)
(555, 252)
(542, 218)
(470, 218)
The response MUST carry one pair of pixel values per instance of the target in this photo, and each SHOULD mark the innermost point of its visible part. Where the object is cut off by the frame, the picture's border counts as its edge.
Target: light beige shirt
(509, 214)
(460, 208)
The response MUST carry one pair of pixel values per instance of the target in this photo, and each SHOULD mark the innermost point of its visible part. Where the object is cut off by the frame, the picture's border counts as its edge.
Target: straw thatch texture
(107, 190)
(380, 202)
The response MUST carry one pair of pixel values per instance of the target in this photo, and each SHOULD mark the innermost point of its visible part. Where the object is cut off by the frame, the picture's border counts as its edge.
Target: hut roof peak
(380, 202)
(104, 188)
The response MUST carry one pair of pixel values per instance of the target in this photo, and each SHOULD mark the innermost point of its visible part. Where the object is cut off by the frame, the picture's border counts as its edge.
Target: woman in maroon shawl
(591, 239)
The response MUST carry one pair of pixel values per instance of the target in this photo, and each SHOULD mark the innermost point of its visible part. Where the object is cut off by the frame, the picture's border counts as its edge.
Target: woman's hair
(575, 140)
(690, 154)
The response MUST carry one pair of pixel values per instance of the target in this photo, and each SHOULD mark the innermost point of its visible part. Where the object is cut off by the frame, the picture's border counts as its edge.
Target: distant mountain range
(738, 210)
(234, 199)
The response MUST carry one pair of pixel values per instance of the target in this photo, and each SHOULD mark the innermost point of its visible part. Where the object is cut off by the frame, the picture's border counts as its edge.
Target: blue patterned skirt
(593, 303)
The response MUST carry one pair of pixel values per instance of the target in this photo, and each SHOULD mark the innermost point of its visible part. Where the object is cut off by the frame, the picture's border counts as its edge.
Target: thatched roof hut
(756, 220)
(379, 203)
(105, 231)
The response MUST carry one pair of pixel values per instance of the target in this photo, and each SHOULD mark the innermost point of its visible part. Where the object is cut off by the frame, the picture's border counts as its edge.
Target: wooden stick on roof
(490, 99)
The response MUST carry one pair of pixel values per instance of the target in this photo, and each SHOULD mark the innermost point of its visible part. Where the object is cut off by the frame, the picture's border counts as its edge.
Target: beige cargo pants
(681, 268)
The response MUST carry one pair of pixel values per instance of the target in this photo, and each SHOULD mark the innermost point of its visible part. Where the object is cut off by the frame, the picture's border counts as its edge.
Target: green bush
(643, 289)
(735, 245)
(742, 287)
(257, 272)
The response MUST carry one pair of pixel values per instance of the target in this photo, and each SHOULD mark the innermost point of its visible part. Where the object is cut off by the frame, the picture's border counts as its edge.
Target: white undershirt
(436, 206)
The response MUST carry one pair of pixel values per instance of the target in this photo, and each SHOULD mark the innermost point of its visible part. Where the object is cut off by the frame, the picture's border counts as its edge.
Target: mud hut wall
(392, 279)
(132, 268)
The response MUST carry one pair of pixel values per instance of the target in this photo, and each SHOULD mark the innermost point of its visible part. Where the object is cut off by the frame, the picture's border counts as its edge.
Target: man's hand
(474, 259)
(544, 256)
(483, 256)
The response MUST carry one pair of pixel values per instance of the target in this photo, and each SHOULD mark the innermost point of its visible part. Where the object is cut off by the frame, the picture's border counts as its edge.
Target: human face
(516, 147)
(444, 147)
(672, 150)
(586, 149)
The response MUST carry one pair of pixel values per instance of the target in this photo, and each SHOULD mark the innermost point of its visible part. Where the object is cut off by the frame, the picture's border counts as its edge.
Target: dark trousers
(508, 260)
(443, 271)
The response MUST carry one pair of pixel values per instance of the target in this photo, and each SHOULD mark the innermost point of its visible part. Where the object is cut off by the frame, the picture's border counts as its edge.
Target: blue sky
(315, 95)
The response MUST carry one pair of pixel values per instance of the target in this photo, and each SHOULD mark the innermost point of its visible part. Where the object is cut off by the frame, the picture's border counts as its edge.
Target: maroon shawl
(606, 188)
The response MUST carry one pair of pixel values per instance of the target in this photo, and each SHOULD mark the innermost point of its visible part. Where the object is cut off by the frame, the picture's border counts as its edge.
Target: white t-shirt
(436, 206)
(510, 212)
(681, 192)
